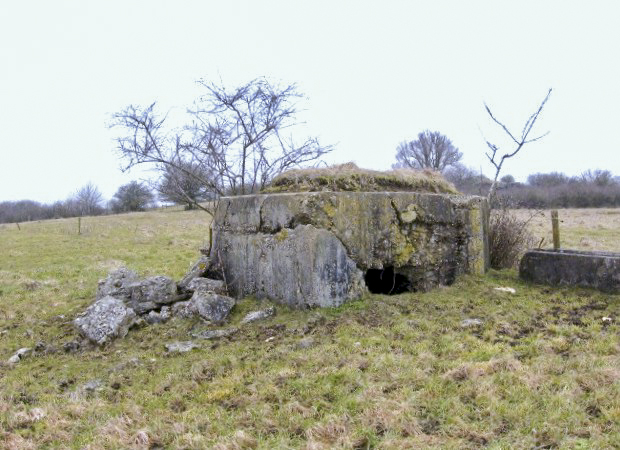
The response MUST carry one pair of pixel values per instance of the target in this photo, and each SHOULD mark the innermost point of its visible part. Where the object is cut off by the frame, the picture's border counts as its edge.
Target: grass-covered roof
(349, 177)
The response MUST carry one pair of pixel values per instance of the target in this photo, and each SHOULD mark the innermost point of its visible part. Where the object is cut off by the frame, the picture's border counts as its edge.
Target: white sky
(375, 73)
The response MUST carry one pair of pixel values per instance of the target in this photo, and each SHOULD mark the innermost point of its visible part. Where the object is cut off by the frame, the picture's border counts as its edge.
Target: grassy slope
(387, 372)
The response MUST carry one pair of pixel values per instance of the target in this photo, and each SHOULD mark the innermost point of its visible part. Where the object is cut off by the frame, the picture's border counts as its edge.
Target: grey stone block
(599, 270)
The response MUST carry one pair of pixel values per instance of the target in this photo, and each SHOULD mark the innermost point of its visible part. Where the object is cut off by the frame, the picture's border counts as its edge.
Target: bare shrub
(509, 238)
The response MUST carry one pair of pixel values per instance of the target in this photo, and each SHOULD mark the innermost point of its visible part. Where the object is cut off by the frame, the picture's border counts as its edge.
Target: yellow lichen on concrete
(410, 214)
(476, 246)
(282, 235)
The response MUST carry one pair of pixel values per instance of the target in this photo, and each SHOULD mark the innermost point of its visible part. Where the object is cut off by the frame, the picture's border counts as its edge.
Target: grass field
(542, 371)
(580, 229)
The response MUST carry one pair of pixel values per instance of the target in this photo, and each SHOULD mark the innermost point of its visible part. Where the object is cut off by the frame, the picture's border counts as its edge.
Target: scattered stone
(86, 390)
(71, 346)
(607, 320)
(181, 309)
(133, 362)
(116, 284)
(159, 317)
(271, 338)
(165, 312)
(259, 315)
(506, 289)
(104, 320)
(181, 346)
(198, 269)
(212, 307)
(207, 285)
(19, 355)
(215, 334)
(40, 347)
(152, 292)
(468, 323)
(92, 385)
(306, 342)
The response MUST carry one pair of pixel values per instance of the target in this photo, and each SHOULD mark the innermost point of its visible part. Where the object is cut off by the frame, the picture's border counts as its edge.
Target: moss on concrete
(349, 177)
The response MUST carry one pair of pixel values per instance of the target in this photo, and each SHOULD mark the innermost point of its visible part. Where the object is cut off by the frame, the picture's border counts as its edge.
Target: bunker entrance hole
(386, 281)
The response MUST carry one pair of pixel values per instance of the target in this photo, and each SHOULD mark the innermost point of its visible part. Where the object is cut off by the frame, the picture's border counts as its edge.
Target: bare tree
(238, 137)
(178, 187)
(88, 200)
(133, 196)
(431, 150)
(517, 141)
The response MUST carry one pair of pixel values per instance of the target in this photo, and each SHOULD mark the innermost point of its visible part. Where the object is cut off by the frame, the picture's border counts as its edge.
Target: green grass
(383, 372)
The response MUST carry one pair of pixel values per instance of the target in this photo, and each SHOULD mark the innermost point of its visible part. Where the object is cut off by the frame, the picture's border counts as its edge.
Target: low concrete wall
(599, 270)
(314, 248)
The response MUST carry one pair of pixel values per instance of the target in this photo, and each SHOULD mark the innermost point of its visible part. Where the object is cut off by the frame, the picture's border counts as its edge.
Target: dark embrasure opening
(386, 281)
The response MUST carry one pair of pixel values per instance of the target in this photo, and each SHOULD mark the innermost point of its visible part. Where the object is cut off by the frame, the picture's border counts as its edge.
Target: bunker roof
(349, 177)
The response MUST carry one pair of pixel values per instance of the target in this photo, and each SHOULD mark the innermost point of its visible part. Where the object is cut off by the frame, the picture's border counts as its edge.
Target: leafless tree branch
(233, 144)
(519, 142)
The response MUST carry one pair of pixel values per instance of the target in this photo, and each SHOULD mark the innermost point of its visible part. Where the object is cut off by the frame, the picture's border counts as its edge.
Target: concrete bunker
(348, 231)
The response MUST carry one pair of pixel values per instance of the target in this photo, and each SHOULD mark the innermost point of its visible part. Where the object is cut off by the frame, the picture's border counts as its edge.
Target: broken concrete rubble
(19, 355)
(211, 307)
(106, 319)
(206, 285)
(116, 284)
(259, 315)
(151, 293)
(196, 271)
(124, 300)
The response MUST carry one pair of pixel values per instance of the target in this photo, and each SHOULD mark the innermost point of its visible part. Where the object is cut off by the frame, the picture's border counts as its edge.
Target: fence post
(555, 228)
(79, 225)
(210, 238)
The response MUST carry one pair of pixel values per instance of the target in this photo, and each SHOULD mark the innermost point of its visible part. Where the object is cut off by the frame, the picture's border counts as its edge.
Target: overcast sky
(375, 73)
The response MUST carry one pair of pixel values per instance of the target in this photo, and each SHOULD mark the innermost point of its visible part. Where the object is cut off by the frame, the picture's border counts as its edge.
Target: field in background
(580, 229)
(542, 371)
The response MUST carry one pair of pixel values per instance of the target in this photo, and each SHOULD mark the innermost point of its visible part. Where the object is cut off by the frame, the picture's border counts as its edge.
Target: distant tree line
(590, 189)
(86, 201)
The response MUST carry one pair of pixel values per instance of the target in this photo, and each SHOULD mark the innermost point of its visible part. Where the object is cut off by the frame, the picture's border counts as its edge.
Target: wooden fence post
(555, 228)
(79, 225)
(210, 238)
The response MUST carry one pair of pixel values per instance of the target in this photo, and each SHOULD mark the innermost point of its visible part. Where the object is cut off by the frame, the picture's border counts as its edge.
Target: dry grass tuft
(334, 432)
(240, 441)
(392, 415)
(349, 177)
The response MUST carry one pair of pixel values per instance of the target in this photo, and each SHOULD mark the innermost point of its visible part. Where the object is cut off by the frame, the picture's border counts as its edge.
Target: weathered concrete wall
(307, 249)
(599, 270)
